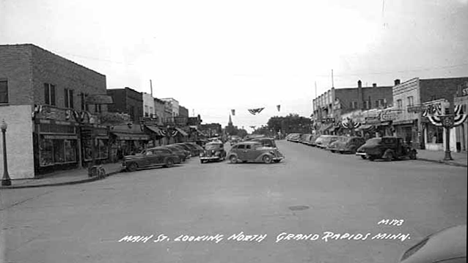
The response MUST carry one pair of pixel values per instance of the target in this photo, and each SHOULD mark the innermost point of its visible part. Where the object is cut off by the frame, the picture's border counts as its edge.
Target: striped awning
(155, 130)
(181, 132)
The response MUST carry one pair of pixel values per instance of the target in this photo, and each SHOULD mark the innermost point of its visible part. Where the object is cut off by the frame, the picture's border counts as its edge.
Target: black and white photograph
(233, 131)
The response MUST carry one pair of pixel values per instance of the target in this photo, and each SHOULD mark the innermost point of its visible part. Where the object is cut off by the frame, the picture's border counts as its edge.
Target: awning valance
(181, 132)
(155, 130)
(131, 136)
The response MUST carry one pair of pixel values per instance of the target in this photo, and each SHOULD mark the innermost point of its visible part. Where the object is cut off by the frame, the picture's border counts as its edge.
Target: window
(377, 103)
(98, 108)
(410, 101)
(3, 91)
(241, 146)
(248, 147)
(69, 98)
(399, 103)
(366, 104)
(49, 94)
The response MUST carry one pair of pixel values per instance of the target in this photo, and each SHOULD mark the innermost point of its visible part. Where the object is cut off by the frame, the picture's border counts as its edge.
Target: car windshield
(374, 141)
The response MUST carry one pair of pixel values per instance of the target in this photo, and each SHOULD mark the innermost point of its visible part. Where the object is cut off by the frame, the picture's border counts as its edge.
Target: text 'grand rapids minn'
(282, 237)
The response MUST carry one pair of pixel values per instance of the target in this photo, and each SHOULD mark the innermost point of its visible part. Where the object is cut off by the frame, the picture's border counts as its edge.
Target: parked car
(388, 148)
(346, 144)
(296, 138)
(445, 246)
(151, 157)
(311, 140)
(214, 151)
(191, 149)
(324, 140)
(234, 140)
(305, 138)
(254, 151)
(196, 146)
(183, 154)
(291, 136)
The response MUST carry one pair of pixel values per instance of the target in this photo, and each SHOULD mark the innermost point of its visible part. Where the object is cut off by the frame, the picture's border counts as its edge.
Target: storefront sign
(388, 116)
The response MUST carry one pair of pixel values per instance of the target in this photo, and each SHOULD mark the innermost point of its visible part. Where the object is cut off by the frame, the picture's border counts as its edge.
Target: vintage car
(214, 151)
(305, 138)
(265, 141)
(234, 140)
(324, 140)
(346, 144)
(312, 140)
(254, 151)
(181, 152)
(388, 148)
(445, 246)
(190, 148)
(150, 157)
(292, 136)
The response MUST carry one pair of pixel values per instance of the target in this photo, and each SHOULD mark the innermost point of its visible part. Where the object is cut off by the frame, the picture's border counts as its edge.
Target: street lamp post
(6, 181)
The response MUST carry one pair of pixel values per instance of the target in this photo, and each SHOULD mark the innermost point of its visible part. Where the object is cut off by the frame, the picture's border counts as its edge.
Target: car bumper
(361, 154)
(211, 158)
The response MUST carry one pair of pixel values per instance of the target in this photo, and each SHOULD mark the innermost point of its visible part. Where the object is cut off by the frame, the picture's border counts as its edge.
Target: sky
(214, 56)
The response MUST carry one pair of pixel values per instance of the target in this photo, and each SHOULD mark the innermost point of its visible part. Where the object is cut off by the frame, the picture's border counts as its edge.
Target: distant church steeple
(230, 121)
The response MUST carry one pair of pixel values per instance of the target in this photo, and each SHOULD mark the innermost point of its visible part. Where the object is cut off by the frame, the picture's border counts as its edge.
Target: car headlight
(217, 153)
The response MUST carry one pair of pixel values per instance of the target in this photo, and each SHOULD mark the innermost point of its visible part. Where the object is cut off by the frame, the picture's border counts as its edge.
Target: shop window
(49, 94)
(3, 91)
(434, 134)
(101, 149)
(46, 149)
(70, 152)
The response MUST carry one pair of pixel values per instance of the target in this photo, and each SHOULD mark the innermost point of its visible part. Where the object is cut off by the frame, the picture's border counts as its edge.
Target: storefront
(156, 135)
(462, 130)
(56, 144)
(102, 147)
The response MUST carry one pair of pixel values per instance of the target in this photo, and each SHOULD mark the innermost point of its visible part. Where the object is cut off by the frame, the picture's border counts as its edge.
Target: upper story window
(3, 91)
(69, 98)
(400, 103)
(410, 101)
(49, 94)
(98, 108)
(377, 103)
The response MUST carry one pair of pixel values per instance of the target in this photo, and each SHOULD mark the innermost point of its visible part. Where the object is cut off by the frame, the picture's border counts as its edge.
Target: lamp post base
(448, 156)
(6, 182)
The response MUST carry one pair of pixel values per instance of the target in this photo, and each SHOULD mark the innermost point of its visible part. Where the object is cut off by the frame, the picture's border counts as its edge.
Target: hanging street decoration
(255, 111)
(350, 124)
(233, 112)
(447, 121)
(278, 107)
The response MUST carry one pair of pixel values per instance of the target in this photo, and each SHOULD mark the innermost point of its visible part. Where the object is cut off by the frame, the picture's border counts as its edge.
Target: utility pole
(447, 123)
(151, 88)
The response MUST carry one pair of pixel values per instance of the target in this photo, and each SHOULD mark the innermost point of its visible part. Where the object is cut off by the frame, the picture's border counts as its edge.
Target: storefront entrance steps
(459, 158)
(66, 177)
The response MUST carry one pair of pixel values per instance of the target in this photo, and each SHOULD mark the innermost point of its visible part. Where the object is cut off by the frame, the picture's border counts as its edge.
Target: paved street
(312, 192)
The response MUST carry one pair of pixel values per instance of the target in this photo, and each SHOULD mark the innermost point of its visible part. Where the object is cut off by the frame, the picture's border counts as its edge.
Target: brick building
(412, 97)
(45, 100)
(128, 101)
(329, 106)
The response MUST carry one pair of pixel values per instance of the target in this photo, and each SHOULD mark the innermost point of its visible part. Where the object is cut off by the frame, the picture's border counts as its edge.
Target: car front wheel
(132, 167)
(267, 159)
(169, 162)
(233, 159)
(412, 155)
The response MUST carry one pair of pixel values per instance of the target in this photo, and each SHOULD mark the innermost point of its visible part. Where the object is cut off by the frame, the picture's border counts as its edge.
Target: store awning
(181, 132)
(131, 136)
(155, 130)
(364, 127)
(385, 123)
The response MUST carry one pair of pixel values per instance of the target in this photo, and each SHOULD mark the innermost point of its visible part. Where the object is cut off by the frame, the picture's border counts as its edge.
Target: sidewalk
(66, 177)
(459, 159)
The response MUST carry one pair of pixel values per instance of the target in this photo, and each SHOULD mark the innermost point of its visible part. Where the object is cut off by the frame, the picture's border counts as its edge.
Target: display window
(102, 146)
(57, 151)
(435, 134)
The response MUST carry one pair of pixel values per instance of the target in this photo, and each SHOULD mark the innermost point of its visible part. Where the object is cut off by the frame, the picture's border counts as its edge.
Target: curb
(92, 179)
(442, 162)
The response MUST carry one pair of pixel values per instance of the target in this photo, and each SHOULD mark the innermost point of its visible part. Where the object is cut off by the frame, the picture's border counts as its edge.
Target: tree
(114, 118)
